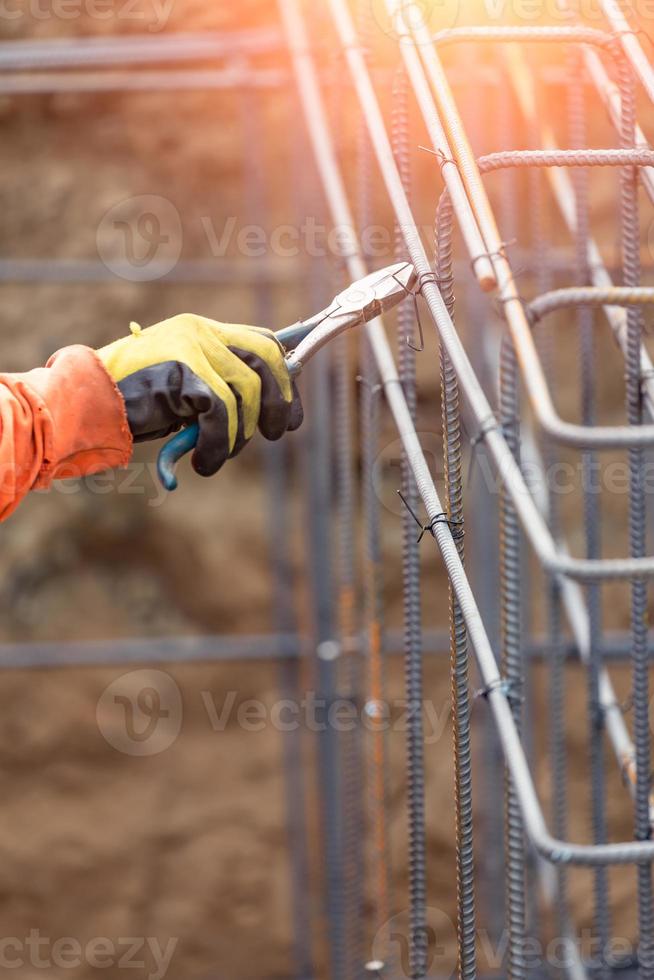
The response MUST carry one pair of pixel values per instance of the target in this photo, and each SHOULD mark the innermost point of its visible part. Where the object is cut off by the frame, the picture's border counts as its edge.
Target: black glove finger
(275, 411)
(161, 398)
(212, 448)
(297, 411)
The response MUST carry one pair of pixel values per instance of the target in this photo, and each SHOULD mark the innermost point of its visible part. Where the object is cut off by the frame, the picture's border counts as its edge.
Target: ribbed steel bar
(539, 228)
(276, 458)
(326, 650)
(511, 593)
(136, 48)
(553, 882)
(559, 299)
(630, 156)
(351, 673)
(225, 648)
(480, 261)
(548, 847)
(504, 34)
(230, 77)
(610, 95)
(630, 44)
(353, 679)
(515, 897)
(206, 271)
(630, 234)
(466, 917)
(591, 504)
(417, 859)
(370, 409)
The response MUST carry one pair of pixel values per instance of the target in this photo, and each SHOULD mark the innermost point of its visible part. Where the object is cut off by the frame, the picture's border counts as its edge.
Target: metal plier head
(362, 301)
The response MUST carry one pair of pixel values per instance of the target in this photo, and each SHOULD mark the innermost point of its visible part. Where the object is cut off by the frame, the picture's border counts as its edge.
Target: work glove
(227, 377)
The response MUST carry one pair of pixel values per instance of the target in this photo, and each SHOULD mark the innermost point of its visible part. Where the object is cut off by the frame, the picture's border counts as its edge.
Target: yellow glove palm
(228, 377)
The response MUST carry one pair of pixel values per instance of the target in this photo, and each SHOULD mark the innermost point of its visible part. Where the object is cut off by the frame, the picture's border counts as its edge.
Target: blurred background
(196, 842)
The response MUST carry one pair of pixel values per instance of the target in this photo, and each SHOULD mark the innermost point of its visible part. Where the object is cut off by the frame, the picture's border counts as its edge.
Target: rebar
(451, 420)
(630, 233)
(418, 936)
(578, 139)
(511, 600)
(370, 402)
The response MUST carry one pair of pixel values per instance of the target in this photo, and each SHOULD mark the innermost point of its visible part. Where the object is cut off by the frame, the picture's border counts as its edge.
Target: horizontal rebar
(135, 49)
(52, 83)
(559, 299)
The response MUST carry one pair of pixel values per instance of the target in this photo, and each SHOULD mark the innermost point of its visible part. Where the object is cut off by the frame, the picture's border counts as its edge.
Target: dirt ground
(187, 850)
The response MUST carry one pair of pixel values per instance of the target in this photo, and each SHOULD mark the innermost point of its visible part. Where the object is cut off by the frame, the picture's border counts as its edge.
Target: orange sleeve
(64, 420)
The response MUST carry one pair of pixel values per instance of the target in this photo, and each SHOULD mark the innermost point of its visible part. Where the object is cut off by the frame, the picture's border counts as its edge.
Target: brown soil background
(192, 843)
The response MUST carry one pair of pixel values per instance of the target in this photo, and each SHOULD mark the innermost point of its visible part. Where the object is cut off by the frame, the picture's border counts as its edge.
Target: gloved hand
(227, 377)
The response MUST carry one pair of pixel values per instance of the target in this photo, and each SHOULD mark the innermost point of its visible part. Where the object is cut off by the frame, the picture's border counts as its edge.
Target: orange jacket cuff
(64, 420)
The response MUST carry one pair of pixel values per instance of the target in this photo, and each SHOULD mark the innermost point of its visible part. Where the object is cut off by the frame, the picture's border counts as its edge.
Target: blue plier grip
(185, 441)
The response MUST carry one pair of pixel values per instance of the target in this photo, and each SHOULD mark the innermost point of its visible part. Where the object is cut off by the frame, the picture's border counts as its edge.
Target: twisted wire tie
(373, 389)
(501, 301)
(441, 156)
(635, 31)
(421, 282)
(506, 687)
(456, 526)
(499, 253)
(488, 425)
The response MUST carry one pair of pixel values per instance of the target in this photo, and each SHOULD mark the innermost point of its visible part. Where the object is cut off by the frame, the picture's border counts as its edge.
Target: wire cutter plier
(362, 301)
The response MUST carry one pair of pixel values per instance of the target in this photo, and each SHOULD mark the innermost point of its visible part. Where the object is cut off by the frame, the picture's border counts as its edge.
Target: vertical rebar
(451, 419)
(350, 663)
(512, 667)
(373, 575)
(482, 544)
(276, 458)
(557, 686)
(629, 215)
(318, 435)
(515, 896)
(418, 937)
(591, 501)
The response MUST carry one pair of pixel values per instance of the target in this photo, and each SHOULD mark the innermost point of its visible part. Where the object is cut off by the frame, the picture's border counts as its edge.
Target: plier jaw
(362, 301)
